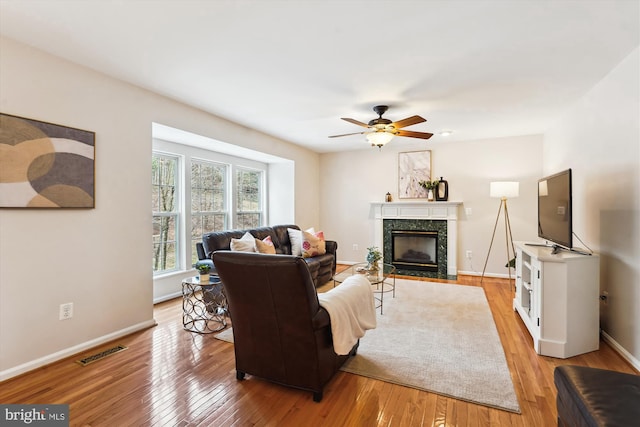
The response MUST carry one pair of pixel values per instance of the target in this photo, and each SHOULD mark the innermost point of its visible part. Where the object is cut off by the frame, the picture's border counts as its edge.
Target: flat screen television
(554, 209)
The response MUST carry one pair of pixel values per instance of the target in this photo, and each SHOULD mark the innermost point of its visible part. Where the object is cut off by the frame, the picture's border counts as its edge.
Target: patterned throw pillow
(265, 246)
(313, 243)
(245, 244)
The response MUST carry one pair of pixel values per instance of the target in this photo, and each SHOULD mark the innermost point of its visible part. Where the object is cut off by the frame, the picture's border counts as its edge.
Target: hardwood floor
(171, 377)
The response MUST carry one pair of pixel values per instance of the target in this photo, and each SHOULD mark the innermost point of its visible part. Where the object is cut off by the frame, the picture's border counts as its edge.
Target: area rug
(226, 335)
(439, 338)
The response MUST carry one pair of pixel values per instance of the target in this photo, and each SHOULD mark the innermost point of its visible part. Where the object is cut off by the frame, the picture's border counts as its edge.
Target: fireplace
(414, 250)
(419, 216)
(416, 247)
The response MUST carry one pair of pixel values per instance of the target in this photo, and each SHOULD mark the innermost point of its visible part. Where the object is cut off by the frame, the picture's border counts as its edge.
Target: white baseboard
(164, 298)
(54, 357)
(621, 350)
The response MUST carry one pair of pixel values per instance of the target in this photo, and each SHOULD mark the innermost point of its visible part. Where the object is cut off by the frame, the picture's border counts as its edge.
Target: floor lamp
(503, 190)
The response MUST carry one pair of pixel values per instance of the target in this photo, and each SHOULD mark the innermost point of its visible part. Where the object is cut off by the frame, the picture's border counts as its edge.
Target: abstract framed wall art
(43, 165)
(413, 167)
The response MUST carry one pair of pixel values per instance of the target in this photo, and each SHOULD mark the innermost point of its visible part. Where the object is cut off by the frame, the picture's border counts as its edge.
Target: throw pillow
(313, 244)
(295, 236)
(245, 244)
(265, 246)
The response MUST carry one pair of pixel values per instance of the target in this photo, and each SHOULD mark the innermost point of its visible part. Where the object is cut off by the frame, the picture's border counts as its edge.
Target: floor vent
(101, 355)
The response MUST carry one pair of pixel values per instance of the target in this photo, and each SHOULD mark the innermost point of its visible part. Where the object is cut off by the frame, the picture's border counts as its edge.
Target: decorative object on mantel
(204, 269)
(430, 186)
(442, 192)
(388, 198)
(45, 165)
(503, 190)
(373, 257)
(413, 167)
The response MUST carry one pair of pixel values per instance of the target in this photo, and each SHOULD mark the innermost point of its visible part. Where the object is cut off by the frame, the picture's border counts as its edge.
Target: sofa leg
(317, 396)
(239, 375)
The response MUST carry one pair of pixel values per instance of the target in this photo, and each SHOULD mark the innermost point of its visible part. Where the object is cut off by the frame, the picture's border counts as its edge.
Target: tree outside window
(164, 181)
(208, 201)
(248, 198)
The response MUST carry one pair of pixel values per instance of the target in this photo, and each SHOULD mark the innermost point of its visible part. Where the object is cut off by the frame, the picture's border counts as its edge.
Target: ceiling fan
(380, 131)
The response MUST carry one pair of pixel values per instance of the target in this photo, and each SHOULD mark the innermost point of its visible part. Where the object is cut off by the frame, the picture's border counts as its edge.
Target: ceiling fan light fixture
(379, 138)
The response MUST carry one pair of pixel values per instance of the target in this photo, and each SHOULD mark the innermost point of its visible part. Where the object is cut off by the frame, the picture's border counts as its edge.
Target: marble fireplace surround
(419, 210)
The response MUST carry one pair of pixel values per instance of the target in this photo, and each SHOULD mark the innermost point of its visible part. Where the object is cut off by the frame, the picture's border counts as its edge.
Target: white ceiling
(293, 68)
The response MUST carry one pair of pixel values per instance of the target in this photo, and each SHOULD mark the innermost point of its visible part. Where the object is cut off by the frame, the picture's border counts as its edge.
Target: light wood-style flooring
(170, 377)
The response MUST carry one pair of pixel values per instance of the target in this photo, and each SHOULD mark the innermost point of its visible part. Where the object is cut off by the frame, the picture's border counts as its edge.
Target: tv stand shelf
(557, 299)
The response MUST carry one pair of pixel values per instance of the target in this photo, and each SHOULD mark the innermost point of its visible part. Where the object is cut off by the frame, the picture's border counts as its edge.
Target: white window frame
(262, 202)
(177, 211)
(225, 209)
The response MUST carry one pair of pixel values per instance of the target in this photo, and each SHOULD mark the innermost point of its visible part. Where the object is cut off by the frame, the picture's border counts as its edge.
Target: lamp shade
(379, 138)
(504, 189)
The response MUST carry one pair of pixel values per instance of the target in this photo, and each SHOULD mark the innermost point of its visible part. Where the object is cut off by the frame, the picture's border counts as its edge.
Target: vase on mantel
(430, 195)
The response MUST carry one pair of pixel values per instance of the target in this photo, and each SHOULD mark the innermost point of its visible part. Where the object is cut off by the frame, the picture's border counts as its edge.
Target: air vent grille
(101, 355)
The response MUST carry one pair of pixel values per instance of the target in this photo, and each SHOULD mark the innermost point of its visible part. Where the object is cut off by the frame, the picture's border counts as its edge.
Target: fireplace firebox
(415, 250)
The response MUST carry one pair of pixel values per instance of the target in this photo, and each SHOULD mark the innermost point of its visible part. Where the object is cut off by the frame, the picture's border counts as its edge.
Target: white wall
(352, 180)
(99, 259)
(599, 138)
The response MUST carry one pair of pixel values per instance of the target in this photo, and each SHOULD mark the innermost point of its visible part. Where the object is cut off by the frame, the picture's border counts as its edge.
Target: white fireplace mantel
(438, 211)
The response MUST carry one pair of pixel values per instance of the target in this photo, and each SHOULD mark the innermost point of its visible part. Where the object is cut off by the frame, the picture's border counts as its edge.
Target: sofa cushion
(283, 245)
(295, 237)
(265, 246)
(245, 244)
(313, 244)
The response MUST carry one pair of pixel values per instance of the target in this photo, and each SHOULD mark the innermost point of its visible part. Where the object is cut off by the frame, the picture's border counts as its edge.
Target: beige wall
(599, 138)
(350, 181)
(99, 259)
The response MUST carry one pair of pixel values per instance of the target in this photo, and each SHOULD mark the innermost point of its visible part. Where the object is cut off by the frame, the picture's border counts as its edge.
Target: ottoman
(596, 397)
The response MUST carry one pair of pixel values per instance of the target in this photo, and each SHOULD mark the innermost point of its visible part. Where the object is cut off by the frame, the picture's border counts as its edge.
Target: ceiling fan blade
(408, 121)
(411, 134)
(346, 134)
(355, 122)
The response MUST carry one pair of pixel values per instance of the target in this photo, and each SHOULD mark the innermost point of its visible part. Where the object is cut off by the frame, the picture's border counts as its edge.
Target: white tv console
(557, 297)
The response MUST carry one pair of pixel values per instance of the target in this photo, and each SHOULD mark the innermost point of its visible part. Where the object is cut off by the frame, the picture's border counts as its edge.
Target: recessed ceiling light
(446, 132)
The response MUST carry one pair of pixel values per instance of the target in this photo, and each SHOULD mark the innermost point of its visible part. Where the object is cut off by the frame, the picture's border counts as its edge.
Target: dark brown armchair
(280, 331)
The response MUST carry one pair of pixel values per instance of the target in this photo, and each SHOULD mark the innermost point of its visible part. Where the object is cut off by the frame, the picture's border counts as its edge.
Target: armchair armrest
(321, 319)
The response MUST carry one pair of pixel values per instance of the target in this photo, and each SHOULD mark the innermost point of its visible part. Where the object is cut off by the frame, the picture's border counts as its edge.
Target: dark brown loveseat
(321, 267)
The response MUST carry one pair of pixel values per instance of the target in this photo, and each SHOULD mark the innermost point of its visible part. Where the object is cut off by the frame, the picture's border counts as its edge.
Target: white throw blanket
(352, 311)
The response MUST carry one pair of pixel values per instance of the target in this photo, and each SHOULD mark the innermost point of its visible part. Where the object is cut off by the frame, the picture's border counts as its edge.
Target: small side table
(204, 306)
(383, 280)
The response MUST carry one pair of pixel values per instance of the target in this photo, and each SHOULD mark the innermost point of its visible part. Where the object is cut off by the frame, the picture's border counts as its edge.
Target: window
(197, 191)
(208, 201)
(165, 197)
(248, 198)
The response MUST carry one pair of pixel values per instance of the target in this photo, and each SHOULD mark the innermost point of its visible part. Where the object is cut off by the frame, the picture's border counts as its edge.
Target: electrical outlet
(355, 246)
(468, 211)
(66, 311)
(469, 254)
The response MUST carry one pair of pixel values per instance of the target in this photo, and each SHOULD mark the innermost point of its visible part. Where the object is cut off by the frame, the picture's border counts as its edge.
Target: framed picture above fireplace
(413, 167)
